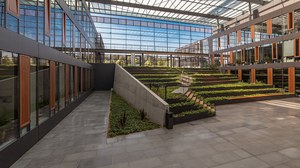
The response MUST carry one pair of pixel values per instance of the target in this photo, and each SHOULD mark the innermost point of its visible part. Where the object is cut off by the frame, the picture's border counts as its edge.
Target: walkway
(248, 135)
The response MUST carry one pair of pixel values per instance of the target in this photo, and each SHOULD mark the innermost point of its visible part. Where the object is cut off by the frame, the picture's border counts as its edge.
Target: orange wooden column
(24, 90)
(228, 72)
(81, 79)
(269, 26)
(291, 73)
(212, 59)
(240, 76)
(52, 85)
(221, 59)
(252, 30)
(253, 76)
(256, 54)
(67, 83)
(239, 36)
(270, 76)
(231, 57)
(76, 81)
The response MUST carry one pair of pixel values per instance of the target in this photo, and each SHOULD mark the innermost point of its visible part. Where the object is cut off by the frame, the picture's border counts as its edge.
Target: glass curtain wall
(120, 32)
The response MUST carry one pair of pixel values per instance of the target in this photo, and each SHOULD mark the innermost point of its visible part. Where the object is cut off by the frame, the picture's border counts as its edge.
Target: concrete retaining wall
(140, 96)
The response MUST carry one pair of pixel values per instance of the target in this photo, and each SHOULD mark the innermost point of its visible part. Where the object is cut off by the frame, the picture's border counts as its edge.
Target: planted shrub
(123, 120)
(143, 114)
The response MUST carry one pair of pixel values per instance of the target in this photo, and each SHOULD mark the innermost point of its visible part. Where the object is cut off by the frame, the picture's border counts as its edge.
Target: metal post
(165, 92)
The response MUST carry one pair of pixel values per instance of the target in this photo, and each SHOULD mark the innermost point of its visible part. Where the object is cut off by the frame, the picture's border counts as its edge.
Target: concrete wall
(139, 96)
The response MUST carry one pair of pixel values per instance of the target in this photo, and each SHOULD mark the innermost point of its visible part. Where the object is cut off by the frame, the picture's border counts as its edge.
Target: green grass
(133, 119)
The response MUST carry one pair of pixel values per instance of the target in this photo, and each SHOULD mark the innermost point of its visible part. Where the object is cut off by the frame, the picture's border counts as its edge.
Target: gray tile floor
(249, 135)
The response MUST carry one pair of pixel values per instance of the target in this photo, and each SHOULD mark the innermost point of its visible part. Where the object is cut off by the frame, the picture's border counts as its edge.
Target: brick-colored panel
(24, 90)
(256, 53)
(52, 85)
(212, 59)
(81, 87)
(67, 78)
(270, 76)
(291, 73)
(231, 57)
(252, 29)
(240, 75)
(269, 26)
(243, 55)
(239, 36)
(253, 76)
(221, 59)
(274, 51)
(76, 81)
(290, 20)
(228, 72)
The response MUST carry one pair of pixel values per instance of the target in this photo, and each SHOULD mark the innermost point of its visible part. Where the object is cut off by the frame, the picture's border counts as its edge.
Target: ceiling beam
(259, 2)
(141, 6)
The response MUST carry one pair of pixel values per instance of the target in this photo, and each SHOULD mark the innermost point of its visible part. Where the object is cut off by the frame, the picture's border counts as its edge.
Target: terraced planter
(231, 88)
(231, 93)
(192, 117)
(251, 99)
(179, 109)
(214, 82)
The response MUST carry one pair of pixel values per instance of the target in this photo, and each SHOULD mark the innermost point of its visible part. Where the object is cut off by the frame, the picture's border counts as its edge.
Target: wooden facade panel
(256, 53)
(24, 90)
(52, 85)
(243, 55)
(253, 76)
(13, 7)
(221, 59)
(270, 76)
(252, 30)
(81, 87)
(231, 57)
(269, 27)
(228, 72)
(290, 20)
(239, 36)
(240, 75)
(76, 81)
(291, 79)
(67, 78)
(212, 59)
(274, 51)
(86, 79)
(47, 17)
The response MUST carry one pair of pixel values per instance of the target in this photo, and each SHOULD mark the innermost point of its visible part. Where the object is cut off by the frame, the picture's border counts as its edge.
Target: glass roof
(142, 8)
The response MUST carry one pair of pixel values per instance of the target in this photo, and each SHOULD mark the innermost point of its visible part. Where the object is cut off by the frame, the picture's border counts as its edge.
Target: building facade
(45, 51)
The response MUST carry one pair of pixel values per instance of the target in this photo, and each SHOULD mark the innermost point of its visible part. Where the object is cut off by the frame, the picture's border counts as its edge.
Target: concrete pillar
(132, 60)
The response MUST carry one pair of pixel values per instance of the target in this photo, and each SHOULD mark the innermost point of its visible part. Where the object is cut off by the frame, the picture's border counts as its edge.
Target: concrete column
(132, 60)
